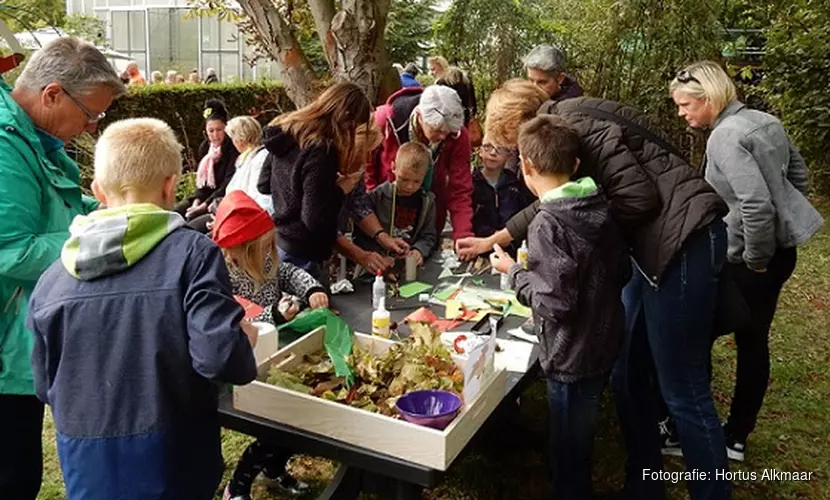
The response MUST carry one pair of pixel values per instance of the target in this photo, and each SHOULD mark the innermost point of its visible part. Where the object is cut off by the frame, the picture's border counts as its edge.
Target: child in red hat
(247, 236)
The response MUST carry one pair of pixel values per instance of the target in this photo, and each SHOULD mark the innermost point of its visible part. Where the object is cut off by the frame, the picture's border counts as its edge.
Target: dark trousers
(668, 340)
(573, 424)
(21, 452)
(761, 292)
(256, 458)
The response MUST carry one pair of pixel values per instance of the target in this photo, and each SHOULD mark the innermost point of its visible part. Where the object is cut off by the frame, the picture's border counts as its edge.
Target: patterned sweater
(289, 279)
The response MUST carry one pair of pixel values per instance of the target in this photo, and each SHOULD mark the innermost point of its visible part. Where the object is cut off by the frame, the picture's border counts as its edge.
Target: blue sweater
(131, 363)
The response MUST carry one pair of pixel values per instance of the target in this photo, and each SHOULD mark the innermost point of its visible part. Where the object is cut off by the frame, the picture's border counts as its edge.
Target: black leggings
(761, 292)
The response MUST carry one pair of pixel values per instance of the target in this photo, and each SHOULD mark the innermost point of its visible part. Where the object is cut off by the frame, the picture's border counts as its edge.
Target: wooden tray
(373, 431)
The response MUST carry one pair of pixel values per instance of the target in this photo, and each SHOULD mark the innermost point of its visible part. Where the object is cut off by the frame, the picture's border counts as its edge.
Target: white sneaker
(227, 495)
(735, 450)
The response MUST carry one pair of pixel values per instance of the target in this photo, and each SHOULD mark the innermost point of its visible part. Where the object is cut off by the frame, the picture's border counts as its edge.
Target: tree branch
(323, 13)
(281, 44)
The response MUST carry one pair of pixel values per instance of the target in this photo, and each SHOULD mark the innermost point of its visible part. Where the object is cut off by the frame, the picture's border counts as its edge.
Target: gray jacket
(425, 235)
(760, 175)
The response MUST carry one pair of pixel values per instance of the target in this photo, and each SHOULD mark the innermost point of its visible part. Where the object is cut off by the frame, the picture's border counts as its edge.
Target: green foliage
(797, 65)
(23, 15)
(86, 27)
(409, 28)
(181, 107)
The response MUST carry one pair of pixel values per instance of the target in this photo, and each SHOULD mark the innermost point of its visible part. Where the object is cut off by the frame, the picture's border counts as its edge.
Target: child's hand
(395, 245)
(318, 300)
(288, 308)
(499, 259)
(470, 248)
(419, 259)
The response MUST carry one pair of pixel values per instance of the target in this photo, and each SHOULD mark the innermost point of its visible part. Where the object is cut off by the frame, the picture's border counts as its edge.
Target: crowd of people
(120, 310)
(133, 77)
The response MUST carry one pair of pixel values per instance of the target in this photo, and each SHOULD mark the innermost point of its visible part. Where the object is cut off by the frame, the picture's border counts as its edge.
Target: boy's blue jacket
(134, 329)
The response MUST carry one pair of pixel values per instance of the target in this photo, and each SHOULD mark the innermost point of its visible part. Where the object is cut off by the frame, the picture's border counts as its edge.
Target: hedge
(181, 107)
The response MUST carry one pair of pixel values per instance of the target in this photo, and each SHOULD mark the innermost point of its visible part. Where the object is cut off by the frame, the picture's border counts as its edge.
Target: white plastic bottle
(381, 320)
(378, 290)
(521, 255)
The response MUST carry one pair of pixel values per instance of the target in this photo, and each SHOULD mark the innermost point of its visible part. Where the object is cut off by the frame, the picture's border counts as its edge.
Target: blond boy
(405, 211)
(133, 329)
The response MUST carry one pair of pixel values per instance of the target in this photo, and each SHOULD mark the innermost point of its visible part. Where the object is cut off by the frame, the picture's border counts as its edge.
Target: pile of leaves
(418, 362)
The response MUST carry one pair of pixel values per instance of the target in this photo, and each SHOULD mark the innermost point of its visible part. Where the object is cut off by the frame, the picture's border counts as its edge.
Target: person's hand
(348, 182)
(471, 247)
(195, 208)
(395, 245)
(318, 300)
(288, 308)
(374, 262)
(499, 259)
(196, 202)
(419, 258)
(250, 331)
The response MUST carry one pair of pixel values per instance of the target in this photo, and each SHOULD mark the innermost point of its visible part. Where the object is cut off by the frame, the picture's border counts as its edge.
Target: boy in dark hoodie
(134, 329)
(404, 209)
(577, 267)
(498, 193)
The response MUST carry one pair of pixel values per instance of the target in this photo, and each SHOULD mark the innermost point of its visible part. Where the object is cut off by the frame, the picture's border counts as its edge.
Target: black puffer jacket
(657, 198)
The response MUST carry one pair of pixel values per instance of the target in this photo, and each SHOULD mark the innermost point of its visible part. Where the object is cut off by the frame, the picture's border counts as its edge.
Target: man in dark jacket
(576, 270)
(545, 66)
(671, 220)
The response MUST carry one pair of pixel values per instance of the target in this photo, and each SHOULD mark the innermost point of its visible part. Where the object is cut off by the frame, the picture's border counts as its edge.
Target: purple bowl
(431, 408)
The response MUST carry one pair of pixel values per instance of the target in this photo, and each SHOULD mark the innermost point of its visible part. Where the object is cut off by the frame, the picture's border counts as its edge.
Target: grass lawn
(793, 432)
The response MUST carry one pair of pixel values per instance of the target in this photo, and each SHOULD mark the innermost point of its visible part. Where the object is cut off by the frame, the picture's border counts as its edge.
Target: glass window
(160, 42)
(211, 60)
(121, 30)
(230, 36)
(230, 67)
(87, 7)
(247, 72)
(210, 33)
(185, 40)
(100, 3)
(119, 3)
(77, 6)
(137, 40)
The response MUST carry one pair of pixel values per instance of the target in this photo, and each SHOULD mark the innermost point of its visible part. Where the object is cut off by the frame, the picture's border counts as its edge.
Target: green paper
(517, 309)
(412, 289)
(338, 337)
(445, 293)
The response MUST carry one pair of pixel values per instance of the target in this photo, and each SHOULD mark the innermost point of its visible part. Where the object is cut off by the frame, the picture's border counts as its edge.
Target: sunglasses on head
(683, 76)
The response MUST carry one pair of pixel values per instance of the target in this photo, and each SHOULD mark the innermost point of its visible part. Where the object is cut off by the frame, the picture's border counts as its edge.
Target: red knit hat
(239, 219)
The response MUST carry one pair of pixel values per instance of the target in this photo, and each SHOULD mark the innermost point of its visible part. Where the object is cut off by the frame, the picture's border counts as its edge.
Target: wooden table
(363, 470)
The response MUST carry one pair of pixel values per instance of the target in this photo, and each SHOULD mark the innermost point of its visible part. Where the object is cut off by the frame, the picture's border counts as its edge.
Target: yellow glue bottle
(521, 255)
(381, 320)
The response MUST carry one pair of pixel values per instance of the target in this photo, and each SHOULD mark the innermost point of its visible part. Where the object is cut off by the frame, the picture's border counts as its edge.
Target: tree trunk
(360, 51)
(277, 39)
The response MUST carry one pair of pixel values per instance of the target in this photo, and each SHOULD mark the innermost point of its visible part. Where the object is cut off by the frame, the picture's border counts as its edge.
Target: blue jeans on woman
(573, 424)
(667, 348)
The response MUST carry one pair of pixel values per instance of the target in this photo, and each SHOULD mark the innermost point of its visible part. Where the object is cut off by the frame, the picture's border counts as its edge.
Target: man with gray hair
(61, 93)
(545, 66)
(434, 117)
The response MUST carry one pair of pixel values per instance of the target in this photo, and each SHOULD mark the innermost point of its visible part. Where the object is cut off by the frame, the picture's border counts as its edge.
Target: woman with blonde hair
(308, 172)
(438, 65)
(755, 168)
(156, 78)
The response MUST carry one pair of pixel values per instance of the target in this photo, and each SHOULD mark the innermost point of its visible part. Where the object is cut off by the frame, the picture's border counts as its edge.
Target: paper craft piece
(517, 309)
(421, 315)
(479, 368)
(453, 309)
(520, 334)
(445, 273)
(412, 289)
(516, 356)
(444, 325)
(445, 293)
(478, 282)
(251, 310)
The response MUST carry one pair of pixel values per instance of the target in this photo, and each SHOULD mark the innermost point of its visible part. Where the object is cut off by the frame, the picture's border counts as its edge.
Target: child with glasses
(498, 193)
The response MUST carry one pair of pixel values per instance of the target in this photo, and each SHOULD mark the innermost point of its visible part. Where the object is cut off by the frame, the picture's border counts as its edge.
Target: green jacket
(39, 196)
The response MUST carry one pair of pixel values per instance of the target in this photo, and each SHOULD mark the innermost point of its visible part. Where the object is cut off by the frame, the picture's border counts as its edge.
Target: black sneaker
(669, 442)
(735, 450)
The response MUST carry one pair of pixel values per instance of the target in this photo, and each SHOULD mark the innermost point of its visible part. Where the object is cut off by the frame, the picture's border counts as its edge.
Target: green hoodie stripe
(113, 240)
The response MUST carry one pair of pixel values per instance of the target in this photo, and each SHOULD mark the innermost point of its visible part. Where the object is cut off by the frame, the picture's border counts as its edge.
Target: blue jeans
(667, 348)
(573, 423)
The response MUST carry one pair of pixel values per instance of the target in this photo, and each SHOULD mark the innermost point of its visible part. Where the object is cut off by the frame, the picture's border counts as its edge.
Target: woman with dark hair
(217, 158)
(309, 172)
